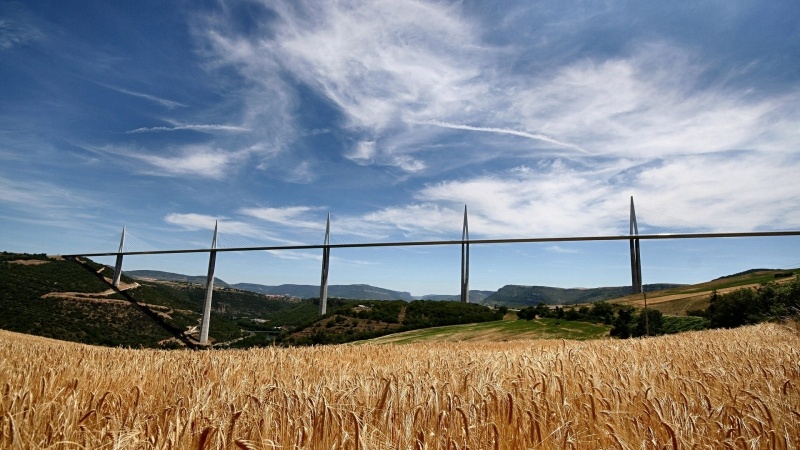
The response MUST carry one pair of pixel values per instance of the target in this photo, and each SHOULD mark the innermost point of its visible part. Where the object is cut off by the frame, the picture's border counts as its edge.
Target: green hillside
(177, 277)
(73, 300)
(514, 295)
(503, 330)
(351, 291)
(349, 320)
(474, 297)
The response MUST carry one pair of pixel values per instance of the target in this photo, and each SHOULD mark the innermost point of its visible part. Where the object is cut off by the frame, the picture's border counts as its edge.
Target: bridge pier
(465, 260)
(326, 257)
(212, 260)
(118, 265)
(636, 261)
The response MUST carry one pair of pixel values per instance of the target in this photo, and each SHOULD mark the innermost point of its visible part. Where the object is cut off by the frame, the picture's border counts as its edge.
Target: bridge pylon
(118, 264)
(326, 262)
(636, 258)
(212, 260)
(465, 259)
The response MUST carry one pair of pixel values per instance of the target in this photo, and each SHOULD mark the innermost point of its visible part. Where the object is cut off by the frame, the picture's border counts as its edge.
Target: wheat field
(715, 389)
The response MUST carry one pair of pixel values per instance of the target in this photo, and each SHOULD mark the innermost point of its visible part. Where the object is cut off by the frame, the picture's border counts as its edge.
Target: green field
(502, 330)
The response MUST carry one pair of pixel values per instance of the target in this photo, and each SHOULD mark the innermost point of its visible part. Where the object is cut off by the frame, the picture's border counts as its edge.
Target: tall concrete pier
(636, 261)
(118, 265)
(465, 259)
(212, 260)
(326, 257)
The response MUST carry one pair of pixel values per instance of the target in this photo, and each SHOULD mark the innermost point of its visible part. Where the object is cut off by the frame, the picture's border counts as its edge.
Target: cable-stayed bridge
(142, 248)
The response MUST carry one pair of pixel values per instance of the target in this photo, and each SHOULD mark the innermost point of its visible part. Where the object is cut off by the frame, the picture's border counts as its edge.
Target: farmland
(735, 388)
(505, 330)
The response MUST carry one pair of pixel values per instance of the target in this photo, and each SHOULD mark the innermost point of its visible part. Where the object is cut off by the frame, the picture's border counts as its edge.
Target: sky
(543, 118)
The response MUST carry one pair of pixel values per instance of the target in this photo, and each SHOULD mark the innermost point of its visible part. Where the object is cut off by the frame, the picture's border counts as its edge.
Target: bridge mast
(465, 260)
(118, 265)
(204, 325)
(636, 261)
(326, 256)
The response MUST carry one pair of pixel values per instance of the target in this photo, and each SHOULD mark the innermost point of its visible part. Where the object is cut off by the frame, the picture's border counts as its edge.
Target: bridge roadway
(457, 242)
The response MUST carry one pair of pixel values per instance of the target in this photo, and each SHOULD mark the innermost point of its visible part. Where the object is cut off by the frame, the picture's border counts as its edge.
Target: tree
(622, 324)
(602, 311)
(652, 318)
(528, 313)
(733, 309)
(543, 311)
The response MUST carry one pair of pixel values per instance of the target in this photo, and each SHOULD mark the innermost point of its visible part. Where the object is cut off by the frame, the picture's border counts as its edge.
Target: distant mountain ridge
(177, 277)
(516, 295)
(474, 296)
(348, 291)
(509, 295)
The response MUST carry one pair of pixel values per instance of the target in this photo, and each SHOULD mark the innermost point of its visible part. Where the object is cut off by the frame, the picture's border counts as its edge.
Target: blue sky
(542, 117)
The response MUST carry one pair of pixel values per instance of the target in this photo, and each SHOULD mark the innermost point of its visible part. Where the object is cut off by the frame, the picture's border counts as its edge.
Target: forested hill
(474, 296)
(351, 291)
(177, 277)
(74, 300)
(514, 295)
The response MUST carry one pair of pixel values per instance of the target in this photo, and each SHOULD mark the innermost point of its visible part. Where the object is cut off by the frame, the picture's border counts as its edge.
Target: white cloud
(647, 121)
(731, 192)
(388, 64)
(738, 192)
(560, 249)
(302, 172)
(534, 136)
(169, 104)
(363, 153)
(197, 222)
(203, 128)
(291, 216)
(644, 105)
(376, 60)
(414, 219)
(194, 160)
(43, 199)
(408, 164)
(192, 221)
(15, 33)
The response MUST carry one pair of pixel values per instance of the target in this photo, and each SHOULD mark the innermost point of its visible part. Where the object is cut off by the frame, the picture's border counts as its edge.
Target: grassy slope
(504, 330)
(68, 300)
(678, 301)
(671, 302)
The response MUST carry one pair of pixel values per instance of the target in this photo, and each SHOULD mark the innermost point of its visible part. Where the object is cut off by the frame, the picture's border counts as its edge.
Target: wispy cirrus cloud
(44, 203)
(169, 104)
(376, 62)
(711, 193)
(200, 127)
(362, 153)
(15, 33)
(560, 249)
(227, 226)
(197, 160)
(647, 104)
(534, 136)
(290, 216)
(403, 67)
(34, 195)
